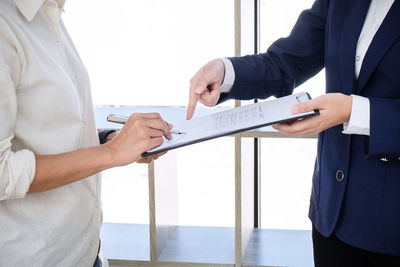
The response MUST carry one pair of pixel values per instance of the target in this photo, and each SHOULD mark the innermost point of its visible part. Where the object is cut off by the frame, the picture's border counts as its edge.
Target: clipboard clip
(303, 98)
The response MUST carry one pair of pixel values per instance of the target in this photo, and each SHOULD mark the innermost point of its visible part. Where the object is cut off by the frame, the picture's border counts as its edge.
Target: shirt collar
(29, 8)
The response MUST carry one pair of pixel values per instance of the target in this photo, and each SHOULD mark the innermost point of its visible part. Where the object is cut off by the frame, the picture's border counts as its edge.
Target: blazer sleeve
(17, 168)
(287, 63)
(383, 141)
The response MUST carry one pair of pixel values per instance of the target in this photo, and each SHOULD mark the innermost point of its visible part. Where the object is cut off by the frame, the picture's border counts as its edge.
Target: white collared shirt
(45, 108)
(360, 110)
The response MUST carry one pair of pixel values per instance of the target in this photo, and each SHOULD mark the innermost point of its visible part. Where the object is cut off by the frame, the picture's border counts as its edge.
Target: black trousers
(97, 262)
(331, 252)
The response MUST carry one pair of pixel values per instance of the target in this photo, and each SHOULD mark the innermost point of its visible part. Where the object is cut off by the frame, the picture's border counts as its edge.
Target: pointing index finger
(192, 104)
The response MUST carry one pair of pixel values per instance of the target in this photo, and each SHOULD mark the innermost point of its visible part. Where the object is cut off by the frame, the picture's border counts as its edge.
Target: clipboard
(233, 121)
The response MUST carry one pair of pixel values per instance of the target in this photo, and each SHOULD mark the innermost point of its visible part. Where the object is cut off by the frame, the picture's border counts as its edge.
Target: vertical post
(238, 202)
(244, 147)
(247, 192)
(257, 141)
(257, 183)
(238, 222)
(152, 210)
(238, 28)
(163, 202)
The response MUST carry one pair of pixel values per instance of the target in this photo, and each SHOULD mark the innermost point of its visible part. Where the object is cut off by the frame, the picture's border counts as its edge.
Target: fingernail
(294, 109)
(198, 90)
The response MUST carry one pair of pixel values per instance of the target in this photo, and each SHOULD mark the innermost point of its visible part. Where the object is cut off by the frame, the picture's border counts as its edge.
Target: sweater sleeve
(17, 168)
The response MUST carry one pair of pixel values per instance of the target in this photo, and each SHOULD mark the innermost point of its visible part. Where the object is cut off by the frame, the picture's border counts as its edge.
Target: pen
(176, 132)
(122, 120)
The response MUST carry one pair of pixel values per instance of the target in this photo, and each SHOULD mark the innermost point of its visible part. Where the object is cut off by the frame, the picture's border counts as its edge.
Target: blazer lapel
(384, 38)
(352, 26)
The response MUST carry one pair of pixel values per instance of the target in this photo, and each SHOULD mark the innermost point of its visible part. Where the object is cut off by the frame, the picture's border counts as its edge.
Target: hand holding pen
(141, 133)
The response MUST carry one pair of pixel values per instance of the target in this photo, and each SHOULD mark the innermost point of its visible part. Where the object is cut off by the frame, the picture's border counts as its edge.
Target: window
(285, 192)
(140, 56)
(143, 53)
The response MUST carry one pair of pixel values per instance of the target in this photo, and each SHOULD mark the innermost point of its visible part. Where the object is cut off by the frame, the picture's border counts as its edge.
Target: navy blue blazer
(355, 194)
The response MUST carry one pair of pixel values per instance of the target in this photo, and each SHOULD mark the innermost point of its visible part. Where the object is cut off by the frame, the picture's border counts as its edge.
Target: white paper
(233, 121)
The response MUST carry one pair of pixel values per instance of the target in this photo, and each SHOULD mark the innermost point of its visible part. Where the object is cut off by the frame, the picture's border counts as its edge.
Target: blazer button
(384, 159)
(339, 175)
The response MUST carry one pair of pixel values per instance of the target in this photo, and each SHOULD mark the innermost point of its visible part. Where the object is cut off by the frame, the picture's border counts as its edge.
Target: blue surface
(200, 245)
(214, 245)
(126, 241)
(270, 247)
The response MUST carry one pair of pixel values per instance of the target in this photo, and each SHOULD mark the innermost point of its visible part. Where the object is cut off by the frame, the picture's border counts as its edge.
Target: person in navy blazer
(355, 199)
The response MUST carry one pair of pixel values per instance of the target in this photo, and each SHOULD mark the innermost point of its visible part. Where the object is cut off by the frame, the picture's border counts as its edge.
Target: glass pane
(206, 183)
(285, 192)
(287, 165)
(144, 52)
(125, 194)
(276, 21)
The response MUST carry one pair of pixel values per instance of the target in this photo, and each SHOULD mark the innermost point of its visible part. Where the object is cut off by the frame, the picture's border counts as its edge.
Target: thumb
(303, 107)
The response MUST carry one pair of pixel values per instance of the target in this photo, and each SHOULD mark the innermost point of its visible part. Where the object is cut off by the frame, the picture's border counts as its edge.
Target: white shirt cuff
(229, 79)
(17, 171)
(359, 118)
